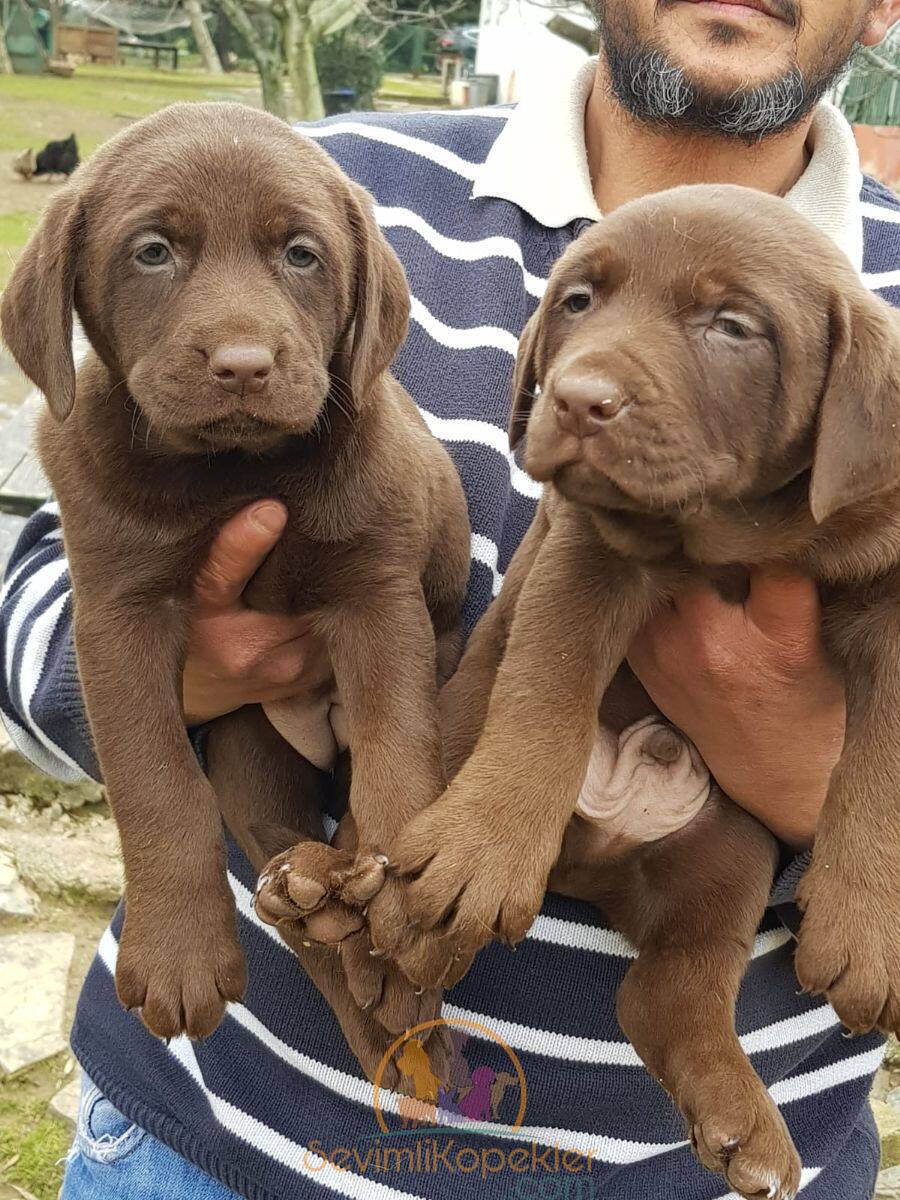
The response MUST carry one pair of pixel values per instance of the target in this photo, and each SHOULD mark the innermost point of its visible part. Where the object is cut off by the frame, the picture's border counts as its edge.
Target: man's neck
(628, 159)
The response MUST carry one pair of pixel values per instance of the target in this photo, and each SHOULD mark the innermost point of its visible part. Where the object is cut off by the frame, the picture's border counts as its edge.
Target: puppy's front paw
(849, 945)
(736, 1128)
(466, 885)
(321, 888)
(315, 894)
(180, 977)
(383, 991)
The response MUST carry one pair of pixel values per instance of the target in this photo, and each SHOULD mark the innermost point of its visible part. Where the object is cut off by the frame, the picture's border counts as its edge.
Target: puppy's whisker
(340, 390)
(114, 387)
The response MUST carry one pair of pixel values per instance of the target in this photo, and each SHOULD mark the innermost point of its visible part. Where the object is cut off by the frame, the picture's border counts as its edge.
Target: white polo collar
(539, 162)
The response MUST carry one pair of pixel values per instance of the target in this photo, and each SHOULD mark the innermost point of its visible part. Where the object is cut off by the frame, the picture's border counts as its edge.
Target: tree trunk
(266, 54)
(273, 94)
(199, 28)
(301, 61)
(5, 61)
(222, 40)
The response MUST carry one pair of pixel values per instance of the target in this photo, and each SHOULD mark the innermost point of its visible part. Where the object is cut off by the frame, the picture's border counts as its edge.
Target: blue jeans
(112, 1159)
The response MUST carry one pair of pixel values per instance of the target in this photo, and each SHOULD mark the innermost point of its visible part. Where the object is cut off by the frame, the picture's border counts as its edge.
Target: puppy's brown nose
(584, 402)
(241, 368)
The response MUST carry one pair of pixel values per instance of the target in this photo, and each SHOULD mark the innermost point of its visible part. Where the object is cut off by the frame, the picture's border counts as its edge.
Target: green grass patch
(14, 230)
(33, 1144)
(425, 88)
(98, 101)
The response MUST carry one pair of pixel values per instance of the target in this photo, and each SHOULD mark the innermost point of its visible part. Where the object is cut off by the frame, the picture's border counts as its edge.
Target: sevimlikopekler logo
(462, 1115)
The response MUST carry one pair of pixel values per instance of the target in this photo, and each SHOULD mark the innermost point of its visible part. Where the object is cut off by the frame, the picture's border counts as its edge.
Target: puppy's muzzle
(584, 403)
(241, 368)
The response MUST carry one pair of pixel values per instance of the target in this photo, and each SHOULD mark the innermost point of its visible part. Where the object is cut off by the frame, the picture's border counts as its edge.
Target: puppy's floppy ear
(857, 452)
(36, 313)
(525, 380)
(380, 306)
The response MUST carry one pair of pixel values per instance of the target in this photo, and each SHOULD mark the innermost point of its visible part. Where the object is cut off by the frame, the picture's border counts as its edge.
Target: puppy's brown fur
(755, 387)
(149, 453)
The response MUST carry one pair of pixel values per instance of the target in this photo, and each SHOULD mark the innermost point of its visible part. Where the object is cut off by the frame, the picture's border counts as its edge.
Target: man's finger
(783, 604)
(240, 548)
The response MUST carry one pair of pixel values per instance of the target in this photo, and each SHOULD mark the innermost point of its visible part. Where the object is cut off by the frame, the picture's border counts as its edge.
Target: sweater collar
(539, 163)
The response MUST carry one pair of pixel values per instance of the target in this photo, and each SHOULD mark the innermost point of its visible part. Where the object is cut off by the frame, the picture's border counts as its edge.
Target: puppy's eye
(300, 257)
(732, 327)
(154, 254)
(577, 302)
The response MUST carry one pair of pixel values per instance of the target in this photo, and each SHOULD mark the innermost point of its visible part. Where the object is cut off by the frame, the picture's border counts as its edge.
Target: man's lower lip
(724, 9)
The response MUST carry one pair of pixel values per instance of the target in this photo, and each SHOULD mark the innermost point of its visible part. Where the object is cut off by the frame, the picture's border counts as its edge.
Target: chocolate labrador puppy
(243, 310)
(706, 383)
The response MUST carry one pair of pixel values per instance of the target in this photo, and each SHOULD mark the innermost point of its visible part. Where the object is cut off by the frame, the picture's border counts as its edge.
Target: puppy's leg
(272, 800)
(693, 917)
(482, 854)
(383, 652)
(262, 784)
(179, 958)
(464, 698)
(849, 945)
(318, 895)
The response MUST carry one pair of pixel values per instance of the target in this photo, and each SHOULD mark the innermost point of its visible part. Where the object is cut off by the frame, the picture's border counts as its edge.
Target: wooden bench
(158, 48)
(23, 485)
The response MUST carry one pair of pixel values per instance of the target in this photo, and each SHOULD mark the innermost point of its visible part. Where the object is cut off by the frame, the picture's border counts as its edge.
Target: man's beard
(655, 90)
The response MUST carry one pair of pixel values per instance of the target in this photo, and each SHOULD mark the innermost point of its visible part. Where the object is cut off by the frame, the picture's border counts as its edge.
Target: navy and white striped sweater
(275, 1086)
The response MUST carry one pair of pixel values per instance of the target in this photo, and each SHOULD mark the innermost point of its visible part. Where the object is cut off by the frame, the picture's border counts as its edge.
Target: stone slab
(34, 968)
(64, 858)
(15, 898)
(19, 777)
(67, 1100)
(887, 1118)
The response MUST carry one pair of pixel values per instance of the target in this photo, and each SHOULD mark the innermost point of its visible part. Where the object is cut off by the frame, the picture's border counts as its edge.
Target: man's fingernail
(270, 518)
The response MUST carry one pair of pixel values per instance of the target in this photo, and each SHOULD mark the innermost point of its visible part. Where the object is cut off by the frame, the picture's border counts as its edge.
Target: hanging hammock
(870, 92)
(137, 18)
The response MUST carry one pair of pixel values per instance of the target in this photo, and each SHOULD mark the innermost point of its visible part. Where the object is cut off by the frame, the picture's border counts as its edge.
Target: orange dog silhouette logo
(449, 1092)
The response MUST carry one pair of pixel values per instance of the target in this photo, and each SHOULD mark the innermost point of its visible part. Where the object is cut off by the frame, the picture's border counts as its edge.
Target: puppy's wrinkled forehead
(216, 173)
(694, 244)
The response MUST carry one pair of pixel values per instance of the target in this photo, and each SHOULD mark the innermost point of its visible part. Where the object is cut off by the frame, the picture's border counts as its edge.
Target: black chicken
(58, 158)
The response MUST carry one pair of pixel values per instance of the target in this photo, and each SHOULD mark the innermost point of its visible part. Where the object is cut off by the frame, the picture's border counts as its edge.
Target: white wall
(514, 45)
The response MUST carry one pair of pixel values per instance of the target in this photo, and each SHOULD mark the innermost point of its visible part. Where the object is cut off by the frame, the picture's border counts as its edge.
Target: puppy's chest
(304, 574)
(852, 547)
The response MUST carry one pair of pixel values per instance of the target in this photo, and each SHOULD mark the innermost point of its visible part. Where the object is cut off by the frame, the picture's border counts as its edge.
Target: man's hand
(751, 687)
(237, 656)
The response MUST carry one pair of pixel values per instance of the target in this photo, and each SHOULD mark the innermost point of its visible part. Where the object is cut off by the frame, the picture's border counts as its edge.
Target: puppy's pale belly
(316, 728)
(637, 793)
(630, 790)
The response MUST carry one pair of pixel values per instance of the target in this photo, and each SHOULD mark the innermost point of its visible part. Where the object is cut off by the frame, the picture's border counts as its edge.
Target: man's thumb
(239, 549)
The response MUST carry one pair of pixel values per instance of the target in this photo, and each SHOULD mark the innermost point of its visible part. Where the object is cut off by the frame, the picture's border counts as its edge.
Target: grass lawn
(94, 104)
(32, 1141)
(14, 230)
(99, 101)
(426, 89)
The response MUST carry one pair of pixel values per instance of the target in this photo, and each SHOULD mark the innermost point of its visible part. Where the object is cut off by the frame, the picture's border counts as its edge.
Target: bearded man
(478, 206)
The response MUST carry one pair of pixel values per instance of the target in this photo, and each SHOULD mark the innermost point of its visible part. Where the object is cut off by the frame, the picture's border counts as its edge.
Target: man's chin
(736, 79)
